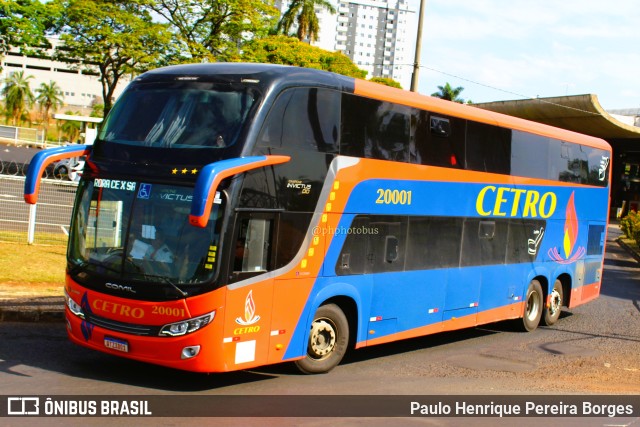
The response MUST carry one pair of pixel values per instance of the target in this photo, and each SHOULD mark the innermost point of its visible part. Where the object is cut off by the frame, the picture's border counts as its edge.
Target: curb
(9, 315)
(38, 309)
(631, 251)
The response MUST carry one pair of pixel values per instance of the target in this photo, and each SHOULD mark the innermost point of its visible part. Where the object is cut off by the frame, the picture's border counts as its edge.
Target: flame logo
(571, 229)
(249, 312)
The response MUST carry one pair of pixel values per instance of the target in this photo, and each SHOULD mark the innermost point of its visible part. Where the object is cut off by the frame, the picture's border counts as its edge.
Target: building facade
(377, 35)
(80, 89)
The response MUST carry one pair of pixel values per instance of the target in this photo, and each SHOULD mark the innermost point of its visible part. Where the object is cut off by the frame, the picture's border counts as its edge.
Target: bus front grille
(126, 328)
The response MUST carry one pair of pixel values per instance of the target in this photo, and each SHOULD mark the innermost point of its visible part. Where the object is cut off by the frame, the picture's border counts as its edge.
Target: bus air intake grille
(125, 328)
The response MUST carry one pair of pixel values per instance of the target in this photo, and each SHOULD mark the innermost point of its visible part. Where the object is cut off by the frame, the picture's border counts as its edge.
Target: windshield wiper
(182, 293)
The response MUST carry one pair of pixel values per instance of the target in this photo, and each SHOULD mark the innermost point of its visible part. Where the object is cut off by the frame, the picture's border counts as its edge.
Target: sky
(515, 49)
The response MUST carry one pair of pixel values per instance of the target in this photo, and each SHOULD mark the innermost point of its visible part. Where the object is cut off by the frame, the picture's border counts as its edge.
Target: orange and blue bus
(237, 215)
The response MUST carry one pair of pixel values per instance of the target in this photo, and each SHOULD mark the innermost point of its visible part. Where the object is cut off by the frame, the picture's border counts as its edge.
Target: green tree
(23, 24)
(114, 37)
(386, 81)
(70, 128)
(214, 30)
(303, 13)
(18, 96)
(49, 96)
(449, 93)
(97, 109)
(291, 51)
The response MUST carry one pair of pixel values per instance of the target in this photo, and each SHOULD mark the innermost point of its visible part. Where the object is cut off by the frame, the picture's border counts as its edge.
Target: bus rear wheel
(533, 306)
(328, 340)
(554, 307)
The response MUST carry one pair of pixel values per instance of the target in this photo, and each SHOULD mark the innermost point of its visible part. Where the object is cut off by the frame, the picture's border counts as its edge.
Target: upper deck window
(180, 115)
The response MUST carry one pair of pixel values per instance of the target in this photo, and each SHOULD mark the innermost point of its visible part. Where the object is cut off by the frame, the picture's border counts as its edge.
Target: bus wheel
(328, 340)
(533, 307)
(553, 309)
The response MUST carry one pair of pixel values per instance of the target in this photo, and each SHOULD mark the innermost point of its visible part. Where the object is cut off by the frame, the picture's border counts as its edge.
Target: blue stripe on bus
(411, 299)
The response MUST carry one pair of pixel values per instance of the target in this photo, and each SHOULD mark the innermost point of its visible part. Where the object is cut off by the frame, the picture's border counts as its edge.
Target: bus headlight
(73, 306)
(187, 326)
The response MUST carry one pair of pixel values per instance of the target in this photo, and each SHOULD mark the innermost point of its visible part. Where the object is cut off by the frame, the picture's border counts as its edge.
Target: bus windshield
(140, 231)
(184, 115)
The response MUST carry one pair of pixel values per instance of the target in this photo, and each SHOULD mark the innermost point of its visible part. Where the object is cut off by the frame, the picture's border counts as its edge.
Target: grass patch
(25, 264)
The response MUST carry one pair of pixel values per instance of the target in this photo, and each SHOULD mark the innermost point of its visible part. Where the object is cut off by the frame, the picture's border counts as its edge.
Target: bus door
(250, 292)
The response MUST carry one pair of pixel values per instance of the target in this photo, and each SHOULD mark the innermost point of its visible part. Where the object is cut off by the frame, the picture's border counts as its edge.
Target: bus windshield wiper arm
(182, 293)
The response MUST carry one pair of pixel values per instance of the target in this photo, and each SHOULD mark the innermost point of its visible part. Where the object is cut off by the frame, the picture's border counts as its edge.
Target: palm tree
(449, 93)
(49, 97)
(17, 95)
(70, 128)
(303, 12)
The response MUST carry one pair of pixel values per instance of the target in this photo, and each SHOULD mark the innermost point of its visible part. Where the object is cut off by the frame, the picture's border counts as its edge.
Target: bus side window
(438, 141)
(484, 242)
(354, 257)
(388, 243)
(252, 252)
(488, 148)
(374, 129)
(387, 133)
(303, 119)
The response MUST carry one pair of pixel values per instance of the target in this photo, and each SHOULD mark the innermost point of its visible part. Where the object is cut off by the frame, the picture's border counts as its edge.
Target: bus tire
(533, 306)
(328, 340)
(553, 309)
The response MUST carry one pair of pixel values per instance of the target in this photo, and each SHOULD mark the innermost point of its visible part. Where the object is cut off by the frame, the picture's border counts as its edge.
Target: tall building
(377, 35)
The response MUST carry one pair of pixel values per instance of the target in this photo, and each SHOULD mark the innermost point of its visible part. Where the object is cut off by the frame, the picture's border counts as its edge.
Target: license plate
(116, 344)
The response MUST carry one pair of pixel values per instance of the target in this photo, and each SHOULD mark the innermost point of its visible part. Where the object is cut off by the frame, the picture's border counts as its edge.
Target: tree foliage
(70, 128)
(49, 96)
(303, 13)
(291, 51)
(386, 81)
(23, 24)
(214, 30)
(114, 37)
(449, 93)
(17, 94)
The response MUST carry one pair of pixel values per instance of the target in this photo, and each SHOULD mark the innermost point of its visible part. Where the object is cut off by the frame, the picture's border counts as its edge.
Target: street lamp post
(416, 61)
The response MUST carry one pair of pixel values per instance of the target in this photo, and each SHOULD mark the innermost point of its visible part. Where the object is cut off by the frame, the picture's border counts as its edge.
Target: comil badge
(249, 312)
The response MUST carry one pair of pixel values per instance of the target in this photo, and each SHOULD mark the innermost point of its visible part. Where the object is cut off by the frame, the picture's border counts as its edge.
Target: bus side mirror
(212, 174)
(43, 159)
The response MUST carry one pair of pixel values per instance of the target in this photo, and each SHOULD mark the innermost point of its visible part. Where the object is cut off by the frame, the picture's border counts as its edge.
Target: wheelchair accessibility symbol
(145, 191)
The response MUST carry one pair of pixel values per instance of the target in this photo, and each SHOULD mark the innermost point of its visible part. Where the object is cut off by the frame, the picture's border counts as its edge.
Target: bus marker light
(433, 310)
(189, 352)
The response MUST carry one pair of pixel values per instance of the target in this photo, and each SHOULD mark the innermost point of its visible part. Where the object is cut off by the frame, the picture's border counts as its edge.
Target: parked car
(70, 169)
